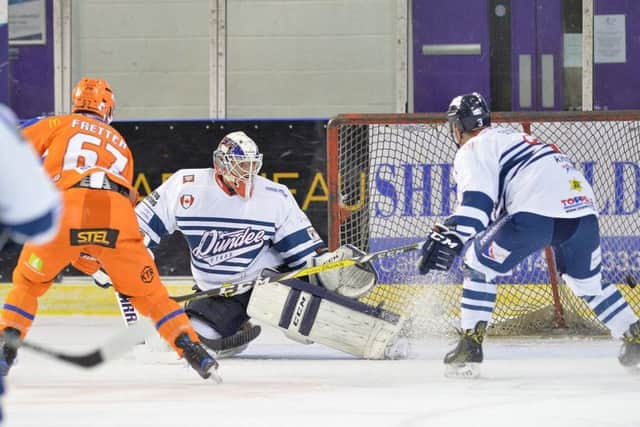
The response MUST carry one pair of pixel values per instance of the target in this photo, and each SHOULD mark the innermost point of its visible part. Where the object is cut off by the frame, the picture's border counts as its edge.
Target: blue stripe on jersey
(515, 147)
(478, 296)
(205, 228)
(608, 302)
(168, 317)
(299, 255)
(615, 312)
(476, 307)
(292, 240)
(28, 122)
(156, 224)
(468, 221)
(547, 151)
(231, 220)
(18, 310)
(478, 200)
(509, 165)
(41, 224)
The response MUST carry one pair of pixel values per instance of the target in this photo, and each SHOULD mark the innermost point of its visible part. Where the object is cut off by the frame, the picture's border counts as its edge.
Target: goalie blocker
(306, 312)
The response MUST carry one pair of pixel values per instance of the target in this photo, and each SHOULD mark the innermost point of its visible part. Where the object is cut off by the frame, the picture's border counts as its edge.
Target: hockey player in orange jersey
(90, 163)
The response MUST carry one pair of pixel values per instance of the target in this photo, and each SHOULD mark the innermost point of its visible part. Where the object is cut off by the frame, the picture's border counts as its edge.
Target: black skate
(201, 361)
(8, 353)
(464, 360)
(629, 356)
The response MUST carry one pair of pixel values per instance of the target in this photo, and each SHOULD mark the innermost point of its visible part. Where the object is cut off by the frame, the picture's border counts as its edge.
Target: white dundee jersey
(502, 170)
(230, 238)
(29, 202)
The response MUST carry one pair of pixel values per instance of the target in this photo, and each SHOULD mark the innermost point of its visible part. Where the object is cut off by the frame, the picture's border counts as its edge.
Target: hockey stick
(127, 310)
(230, 289)
(113, 348)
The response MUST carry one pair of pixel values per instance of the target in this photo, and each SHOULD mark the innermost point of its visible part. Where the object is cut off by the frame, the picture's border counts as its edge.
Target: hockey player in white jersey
(517, 195)
(238, 224)
(29, 204)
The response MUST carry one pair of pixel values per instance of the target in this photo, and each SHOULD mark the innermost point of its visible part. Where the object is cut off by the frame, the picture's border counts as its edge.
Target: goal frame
(525, 119)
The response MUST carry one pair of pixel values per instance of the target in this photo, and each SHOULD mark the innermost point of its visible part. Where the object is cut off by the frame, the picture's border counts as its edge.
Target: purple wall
(437, 79)
(4, 58)
(617, 86)
(536, 29)
(31, 90)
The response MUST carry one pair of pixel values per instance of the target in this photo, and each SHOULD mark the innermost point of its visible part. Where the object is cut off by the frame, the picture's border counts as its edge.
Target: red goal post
(389, 179)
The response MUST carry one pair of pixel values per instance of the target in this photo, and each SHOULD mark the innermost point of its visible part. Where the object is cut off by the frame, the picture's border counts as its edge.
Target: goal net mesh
(390, 179)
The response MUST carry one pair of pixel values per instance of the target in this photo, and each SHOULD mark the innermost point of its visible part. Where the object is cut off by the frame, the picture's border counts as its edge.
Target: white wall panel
(310, 58)
(153, 52)
(295, 58)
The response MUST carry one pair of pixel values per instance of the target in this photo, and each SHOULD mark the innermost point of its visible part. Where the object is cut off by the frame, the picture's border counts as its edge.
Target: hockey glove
(353, 281)
(102, 279)
(440, 250)
(90, 266)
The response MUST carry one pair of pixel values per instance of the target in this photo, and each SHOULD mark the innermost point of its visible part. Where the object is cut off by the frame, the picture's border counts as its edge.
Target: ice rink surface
(533, 382)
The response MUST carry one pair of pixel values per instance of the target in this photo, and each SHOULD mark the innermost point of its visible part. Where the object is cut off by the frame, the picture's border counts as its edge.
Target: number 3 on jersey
(83, 151)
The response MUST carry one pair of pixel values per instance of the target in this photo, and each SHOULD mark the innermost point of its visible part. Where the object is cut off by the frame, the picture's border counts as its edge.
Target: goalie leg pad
(309, 312)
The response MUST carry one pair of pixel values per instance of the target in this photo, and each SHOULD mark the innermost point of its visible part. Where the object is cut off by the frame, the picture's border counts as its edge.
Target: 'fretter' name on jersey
(100, 131)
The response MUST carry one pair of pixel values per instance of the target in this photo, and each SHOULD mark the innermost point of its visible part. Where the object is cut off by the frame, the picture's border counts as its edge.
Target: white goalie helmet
(238, 160)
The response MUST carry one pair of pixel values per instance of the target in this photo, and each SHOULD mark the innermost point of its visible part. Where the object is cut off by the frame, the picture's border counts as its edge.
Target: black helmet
(468, 112)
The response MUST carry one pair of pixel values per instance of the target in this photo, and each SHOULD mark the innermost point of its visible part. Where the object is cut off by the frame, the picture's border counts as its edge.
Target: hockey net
(390, 179)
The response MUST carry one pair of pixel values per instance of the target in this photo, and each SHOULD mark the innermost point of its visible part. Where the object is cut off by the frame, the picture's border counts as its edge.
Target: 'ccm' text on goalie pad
(311, 312)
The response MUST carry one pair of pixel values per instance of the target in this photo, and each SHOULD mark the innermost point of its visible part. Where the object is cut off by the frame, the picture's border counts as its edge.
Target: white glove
(102, 279)
(352, 282)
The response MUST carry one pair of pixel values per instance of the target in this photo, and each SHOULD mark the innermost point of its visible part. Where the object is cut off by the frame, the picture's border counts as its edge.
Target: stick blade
(115, 347)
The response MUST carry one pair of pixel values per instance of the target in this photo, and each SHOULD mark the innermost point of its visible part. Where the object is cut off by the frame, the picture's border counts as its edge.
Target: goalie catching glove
(353, 281)
(440, 250)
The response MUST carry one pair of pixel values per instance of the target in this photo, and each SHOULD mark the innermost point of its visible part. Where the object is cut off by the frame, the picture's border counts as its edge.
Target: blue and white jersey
(504, 171)
(230, 239)
(29, 202)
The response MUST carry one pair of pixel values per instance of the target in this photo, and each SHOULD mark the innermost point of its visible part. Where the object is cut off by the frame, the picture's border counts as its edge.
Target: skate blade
(462, 370)
(215, 376)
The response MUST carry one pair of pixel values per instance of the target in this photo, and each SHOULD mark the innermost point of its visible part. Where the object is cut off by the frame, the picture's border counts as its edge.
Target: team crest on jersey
(186, 200)
(216, 246)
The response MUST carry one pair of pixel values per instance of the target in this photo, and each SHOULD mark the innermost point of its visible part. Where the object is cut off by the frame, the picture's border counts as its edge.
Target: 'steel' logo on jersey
(186, 200)
(106, 237)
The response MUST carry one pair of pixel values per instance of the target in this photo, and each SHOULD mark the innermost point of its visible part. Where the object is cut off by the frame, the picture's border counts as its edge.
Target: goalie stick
(230, 289)
(113, 348)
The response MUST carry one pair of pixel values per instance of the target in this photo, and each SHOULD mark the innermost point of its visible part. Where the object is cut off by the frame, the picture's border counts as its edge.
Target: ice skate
(629, 356)
(8, 353)
(464, 360)
(199, 359)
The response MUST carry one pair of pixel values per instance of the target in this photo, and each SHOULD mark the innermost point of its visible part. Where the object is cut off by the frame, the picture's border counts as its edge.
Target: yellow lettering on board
(141, 180)
(318, 180)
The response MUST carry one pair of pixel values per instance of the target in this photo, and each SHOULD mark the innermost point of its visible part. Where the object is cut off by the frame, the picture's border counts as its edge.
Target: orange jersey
(76, 145)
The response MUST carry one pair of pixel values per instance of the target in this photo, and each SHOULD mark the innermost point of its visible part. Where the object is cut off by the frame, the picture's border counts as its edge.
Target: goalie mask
(238, 161)
(93, 96)
(468, 112)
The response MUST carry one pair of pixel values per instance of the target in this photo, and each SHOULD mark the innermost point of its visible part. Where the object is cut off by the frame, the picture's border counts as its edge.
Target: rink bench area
(80, 296)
